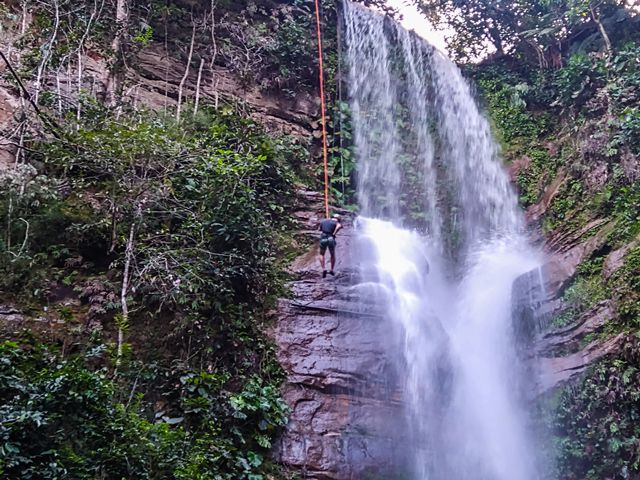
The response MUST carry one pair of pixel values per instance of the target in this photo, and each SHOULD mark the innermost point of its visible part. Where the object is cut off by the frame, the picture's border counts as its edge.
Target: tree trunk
(114, 77)
(596, 18)
(79, 109)
(496, 39)
(197, 102)
(25, 13)
(186, 71)
(214, 54)
(47, 54)
(59, 92)
(123, 294)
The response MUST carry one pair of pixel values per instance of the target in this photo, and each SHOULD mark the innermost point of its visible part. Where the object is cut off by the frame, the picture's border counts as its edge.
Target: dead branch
(197, 101)
(53, 126)
(186, 70)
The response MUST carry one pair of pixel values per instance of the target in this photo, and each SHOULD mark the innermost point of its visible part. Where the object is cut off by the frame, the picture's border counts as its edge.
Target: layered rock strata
(346, 416)
(562, 354)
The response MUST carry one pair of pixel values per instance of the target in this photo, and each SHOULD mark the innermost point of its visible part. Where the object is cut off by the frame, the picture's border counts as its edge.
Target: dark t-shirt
(328, 226)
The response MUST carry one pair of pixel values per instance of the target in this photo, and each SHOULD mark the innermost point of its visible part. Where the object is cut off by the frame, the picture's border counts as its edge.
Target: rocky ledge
(560, 355)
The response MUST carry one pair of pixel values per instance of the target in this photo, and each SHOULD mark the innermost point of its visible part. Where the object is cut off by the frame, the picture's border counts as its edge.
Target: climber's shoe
(324, 274)
(332, 273)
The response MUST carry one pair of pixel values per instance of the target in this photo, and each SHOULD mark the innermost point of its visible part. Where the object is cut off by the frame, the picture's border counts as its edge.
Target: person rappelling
(329, 228)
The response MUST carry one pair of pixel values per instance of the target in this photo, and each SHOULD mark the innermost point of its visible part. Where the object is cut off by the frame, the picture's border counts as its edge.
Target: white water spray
(427, 162)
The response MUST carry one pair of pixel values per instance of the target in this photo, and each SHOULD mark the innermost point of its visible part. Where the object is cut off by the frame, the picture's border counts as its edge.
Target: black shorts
(327, 242)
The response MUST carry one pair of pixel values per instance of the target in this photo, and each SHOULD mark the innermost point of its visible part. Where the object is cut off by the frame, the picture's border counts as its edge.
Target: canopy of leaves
(541, 31)
(61, 419)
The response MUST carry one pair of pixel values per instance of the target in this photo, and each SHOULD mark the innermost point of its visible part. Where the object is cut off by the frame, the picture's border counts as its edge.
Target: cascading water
(427, 163)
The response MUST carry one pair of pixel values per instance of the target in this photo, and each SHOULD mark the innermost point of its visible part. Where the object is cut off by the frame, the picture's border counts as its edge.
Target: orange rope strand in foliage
(324, 119)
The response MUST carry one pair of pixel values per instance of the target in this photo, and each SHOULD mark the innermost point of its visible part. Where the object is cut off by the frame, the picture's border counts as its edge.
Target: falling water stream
(442, 243)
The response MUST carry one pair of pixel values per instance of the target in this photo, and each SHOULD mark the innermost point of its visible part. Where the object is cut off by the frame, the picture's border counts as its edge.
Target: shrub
(60, 419)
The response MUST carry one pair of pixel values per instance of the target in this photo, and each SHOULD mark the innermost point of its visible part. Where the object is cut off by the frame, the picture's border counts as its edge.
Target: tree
(479, 25)
(114, 77)
(541, 30)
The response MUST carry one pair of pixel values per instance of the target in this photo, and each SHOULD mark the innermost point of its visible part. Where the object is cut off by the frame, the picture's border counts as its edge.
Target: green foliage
(144, 36)
(521, 104)
(206, 201)
(206, 204)
(529, 178)
(626, 210)
(625, 71)
(342, 161)
(37, 229)
(583, 294)
(507, 95)
(251, 419)
(595, 423)
(477, 24)
(293, 53)
(536, 31)
(59, 419)
(628, 130)
(569, 195)
(626, 289)
(579, 79)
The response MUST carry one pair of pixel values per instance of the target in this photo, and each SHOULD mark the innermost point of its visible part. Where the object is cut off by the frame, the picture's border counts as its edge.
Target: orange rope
(324, 120)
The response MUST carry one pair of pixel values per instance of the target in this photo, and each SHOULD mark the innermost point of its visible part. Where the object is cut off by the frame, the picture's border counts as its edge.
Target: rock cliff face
(8, 104)
(157, 76)
(562, 354)
(154, 84)
(346, 419)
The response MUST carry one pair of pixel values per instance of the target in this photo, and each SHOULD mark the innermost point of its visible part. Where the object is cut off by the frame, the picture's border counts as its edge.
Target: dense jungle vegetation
(143, 248)
(148, 252)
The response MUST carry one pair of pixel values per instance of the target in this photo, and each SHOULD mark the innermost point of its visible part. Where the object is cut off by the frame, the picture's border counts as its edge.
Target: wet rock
(568, 339)
(528, 295)
(560, 355)
(535, 212)
(630, 165)
(596, 177)
(158, 76)
(8, 105)
(153, 82)
(340, 383)
(9, 314)
(517, 166)
(556, 371)
(557, 356)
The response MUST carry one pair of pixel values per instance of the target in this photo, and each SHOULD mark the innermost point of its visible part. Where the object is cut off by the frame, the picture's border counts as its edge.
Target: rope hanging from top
(340, 109)
(323, 114)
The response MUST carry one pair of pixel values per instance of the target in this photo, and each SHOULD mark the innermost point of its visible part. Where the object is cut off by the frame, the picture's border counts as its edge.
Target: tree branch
(53, 126)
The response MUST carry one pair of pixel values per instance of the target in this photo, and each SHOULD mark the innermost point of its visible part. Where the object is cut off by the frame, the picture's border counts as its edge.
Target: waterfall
(441, 241)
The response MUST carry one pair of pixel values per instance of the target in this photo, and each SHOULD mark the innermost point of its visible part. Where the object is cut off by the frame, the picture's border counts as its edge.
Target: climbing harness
(322, 110)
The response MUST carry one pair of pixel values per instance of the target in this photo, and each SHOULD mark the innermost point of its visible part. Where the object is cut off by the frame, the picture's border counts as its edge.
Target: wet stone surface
(346, 420)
